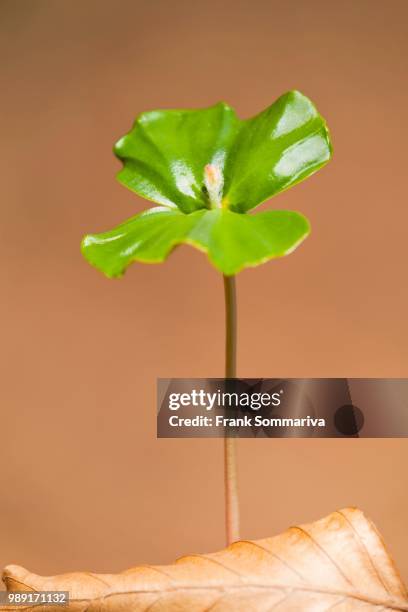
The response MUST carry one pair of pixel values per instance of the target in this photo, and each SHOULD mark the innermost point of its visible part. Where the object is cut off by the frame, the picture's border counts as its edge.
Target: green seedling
(205, 170)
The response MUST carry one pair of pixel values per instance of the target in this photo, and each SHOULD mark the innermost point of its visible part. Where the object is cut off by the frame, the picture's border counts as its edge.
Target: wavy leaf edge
(229, 252)
(195, 162)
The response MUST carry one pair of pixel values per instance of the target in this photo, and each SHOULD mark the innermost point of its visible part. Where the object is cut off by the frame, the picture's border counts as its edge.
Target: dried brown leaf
(338, 563)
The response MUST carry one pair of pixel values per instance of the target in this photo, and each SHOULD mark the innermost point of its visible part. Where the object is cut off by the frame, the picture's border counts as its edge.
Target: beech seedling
(205, 171)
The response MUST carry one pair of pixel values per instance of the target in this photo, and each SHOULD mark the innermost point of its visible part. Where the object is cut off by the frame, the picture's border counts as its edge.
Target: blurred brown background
(84, 483)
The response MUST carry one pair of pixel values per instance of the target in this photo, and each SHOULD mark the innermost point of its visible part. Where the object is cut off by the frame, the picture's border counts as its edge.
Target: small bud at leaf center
(214, 182)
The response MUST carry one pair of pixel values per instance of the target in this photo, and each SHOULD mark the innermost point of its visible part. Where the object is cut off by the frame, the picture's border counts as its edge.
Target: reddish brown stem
(230, 465)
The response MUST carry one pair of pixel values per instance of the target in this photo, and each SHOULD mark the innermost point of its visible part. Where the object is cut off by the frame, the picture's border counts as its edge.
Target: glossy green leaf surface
(274, 150)
(165, 154)
(206, 169)
(231, 240)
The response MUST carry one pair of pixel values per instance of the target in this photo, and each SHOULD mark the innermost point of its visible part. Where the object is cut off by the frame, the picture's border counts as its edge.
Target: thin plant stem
(230, 464)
